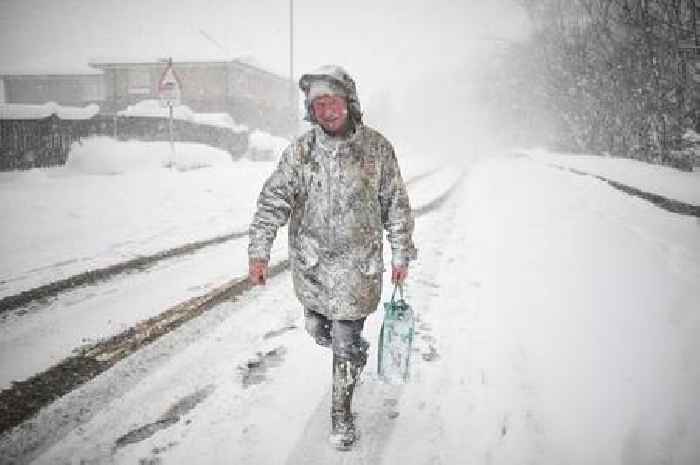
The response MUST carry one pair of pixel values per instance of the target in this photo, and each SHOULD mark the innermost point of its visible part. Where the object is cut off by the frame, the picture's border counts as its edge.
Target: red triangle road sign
(169, 86)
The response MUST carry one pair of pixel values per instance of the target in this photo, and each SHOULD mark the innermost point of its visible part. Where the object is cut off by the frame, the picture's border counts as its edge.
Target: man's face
(331, 112)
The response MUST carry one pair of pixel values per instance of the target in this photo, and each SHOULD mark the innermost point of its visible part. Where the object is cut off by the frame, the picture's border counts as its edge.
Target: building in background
(76, 89)
(252, 95)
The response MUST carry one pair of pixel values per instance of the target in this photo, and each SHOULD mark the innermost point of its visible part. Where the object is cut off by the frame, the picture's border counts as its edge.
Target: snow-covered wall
(152, 108)
(15, 111)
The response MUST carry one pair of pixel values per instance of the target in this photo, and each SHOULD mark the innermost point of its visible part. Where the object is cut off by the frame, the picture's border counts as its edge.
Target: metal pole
(292, 86)
(170, 131)
(170, 122)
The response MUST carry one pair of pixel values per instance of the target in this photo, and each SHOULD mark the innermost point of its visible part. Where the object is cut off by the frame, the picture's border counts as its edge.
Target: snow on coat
(338, 195)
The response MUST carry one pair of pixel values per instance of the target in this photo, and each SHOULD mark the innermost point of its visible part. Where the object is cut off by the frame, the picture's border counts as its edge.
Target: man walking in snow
(338, 185)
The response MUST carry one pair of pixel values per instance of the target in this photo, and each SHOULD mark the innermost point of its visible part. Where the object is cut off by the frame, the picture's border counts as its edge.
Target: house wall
(76, 90)
(251, 96)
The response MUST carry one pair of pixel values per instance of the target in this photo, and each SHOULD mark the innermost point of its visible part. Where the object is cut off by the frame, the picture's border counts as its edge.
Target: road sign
(169, 87)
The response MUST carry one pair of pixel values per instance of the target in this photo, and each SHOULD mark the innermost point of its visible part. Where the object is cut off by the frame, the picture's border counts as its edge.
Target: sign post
(169, 91)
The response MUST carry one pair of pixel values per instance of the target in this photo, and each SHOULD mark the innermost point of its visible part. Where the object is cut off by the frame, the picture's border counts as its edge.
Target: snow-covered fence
(41, 135)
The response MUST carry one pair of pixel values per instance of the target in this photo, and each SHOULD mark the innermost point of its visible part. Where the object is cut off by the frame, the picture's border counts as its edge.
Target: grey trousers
(344, 337)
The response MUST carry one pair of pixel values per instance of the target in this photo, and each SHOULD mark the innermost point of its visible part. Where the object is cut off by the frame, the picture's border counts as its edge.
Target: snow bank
(21, 111)
(263, 146)
(106, 156)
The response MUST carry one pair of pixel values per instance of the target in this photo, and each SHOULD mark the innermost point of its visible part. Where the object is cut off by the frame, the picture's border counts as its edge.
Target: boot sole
(342, 444)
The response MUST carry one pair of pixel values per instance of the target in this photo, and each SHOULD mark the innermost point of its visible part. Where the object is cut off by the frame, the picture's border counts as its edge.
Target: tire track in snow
(134, 265)
(91, 277)
(25, 398)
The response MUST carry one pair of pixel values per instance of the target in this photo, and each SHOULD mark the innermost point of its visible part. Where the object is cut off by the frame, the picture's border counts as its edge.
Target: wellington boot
(343, 434)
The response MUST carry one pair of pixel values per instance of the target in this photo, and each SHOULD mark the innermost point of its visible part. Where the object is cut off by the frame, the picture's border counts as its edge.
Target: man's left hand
(399, 274)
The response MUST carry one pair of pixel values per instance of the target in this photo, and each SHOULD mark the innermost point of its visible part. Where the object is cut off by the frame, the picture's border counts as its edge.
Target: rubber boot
(345, 374)
(361, 359)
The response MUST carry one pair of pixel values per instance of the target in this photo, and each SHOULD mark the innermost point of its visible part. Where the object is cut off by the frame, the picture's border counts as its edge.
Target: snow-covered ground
(557, 325)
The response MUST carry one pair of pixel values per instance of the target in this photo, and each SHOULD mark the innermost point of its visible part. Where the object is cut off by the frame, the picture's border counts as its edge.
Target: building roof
(247, 61)
(102, 63)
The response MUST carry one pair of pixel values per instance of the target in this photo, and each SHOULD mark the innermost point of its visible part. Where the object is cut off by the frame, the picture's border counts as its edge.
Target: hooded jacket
(338, 195)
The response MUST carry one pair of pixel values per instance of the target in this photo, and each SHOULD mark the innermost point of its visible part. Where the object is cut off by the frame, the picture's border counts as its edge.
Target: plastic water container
(396, 341)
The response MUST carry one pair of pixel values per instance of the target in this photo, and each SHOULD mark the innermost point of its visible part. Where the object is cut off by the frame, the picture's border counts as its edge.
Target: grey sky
(377, 40)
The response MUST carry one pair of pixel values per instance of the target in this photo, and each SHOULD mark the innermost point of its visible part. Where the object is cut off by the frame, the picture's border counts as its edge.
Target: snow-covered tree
(612, 74)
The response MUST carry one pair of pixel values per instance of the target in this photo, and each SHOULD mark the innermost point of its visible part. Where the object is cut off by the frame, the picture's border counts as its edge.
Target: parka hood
(339, 76)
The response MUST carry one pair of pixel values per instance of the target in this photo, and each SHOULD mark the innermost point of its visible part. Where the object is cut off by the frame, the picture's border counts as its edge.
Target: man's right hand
(257, 272)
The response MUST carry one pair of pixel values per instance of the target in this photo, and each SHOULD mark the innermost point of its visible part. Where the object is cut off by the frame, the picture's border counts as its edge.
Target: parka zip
(329, 224)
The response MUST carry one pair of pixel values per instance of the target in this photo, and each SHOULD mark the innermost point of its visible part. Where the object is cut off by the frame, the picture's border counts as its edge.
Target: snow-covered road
(35, 338)
(558, 323)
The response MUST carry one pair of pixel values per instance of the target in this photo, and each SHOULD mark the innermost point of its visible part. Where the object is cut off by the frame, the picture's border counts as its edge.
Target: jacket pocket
(305, 255)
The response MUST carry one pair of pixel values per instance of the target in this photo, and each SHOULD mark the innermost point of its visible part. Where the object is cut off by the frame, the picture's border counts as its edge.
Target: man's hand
(257, 272)
(399, 274)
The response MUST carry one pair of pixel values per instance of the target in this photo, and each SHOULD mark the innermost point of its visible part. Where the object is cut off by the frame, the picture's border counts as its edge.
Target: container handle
(393, 294)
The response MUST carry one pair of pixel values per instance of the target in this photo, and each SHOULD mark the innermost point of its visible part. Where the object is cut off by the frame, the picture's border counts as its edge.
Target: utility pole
(695, 18)
(292, 84)
(696, 23)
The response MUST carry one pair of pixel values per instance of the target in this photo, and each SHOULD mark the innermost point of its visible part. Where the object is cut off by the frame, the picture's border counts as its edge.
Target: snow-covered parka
(338, 195)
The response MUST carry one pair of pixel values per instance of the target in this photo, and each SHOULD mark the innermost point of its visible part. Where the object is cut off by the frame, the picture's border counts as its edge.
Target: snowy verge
(656, 179)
